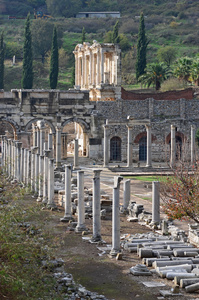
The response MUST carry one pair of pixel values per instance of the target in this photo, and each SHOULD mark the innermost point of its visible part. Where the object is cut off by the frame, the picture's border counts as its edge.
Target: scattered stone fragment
(140, 270)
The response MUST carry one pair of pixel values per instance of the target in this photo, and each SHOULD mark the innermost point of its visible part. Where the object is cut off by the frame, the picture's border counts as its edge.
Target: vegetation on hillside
(168, 25)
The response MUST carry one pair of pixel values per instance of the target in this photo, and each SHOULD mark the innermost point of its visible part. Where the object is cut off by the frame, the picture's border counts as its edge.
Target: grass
(143, 178)
(22, 248)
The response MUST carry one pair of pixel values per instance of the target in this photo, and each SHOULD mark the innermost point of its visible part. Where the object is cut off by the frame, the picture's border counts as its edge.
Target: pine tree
(115, 38)
(141, 49)
(1, 62)
(27, 75)
(54, 61)
(83, 35)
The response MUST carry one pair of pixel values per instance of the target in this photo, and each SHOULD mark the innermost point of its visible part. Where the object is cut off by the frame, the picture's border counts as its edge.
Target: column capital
(193, 127)
(96, 173)
(47, 153)
(68, 166)
(173, 126)
(148, 126)
(130, 127)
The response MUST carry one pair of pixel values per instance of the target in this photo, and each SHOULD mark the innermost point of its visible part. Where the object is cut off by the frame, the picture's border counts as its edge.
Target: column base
(45, 200)
(129, 166)
(96, 239)
(114, 252)
(39, 199)
(80, 228)
(51, 205)
(148, 166)
(66, 218)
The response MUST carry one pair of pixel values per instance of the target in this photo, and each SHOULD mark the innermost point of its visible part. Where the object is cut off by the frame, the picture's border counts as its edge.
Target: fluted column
(102, 66)
(149, 160)
(76, 154)
(50, 144)
(155, 202)
(22, 165)
(58, 146)
(96, 206)
(130, 147)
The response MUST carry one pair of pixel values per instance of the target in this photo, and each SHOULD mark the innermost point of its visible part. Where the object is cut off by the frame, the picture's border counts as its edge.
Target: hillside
(173, 23)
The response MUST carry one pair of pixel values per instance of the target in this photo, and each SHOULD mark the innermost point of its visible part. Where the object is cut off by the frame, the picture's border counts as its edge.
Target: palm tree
(194, 74)
(155, 74)
(183, 68)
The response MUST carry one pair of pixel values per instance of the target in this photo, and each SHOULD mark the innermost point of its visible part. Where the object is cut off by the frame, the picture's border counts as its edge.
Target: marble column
(106, 152)
(96, 206)
(98, 67)
(102, 66)
(45, 181)
(50, 144)
(28, 170)
(127, 194)
(32, 177)
(116, 217)
(58, 147)
(51, 203)
(18, 174)
(130, 148)
(42, 138)
(68, 208)
(22, 165)
(36, 178)
(34, 135)
(40, 179)
(2, 151)
(173, 146)
(38, 140)
(155, 202)
(193, 138)
(10, 157)
(15, 159)
(76, 154)
(149, 160)
(81, 207)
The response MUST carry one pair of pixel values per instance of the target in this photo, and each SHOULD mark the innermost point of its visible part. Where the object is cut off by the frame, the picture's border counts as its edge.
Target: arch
(143, 148)
(12, 123)
(81, 122)
(142, 134)
(177, 134)
(29, 124)
(115, 148)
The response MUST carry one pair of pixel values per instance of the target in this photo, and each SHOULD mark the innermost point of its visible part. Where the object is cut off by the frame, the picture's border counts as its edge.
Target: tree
(54, 61)
(65, 8)
(166, 55)
(155, 74)
(141, 49)
(183, 67)
(27, 75)
(194, 74)
(83, 35)
(1, 62)
(180, 192)
(42, 31)
(115, 34)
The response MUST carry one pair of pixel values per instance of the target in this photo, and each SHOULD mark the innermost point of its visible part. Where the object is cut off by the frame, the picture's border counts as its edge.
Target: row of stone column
(149, 153)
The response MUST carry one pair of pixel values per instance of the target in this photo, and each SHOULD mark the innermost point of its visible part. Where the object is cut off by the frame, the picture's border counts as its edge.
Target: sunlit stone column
(58, 147)
(13, 158)
(51, 203)
(81, 208)
(50, 144)
(22, 165)
(10, 157)
(90, 68)
(148, 130)
(40, 179)
(42, 137)
(76, 154)
(34, 135)
(19, 146)
(106, 152)
(155, 202)
(46, 172)
(68, 209)
(38, 140)
(102, 65)
(98, 67)
(127, 194)
(32, 177)
(173, 146)
(193, 147)
(96, 206)
(116, 217)
(36, 173)
(28, 170)
(130, 148)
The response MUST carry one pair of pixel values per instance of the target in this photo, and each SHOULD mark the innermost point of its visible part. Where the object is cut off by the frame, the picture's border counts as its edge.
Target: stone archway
(9, 128)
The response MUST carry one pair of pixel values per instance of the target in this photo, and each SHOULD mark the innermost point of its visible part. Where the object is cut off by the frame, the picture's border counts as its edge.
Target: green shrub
(173, 84)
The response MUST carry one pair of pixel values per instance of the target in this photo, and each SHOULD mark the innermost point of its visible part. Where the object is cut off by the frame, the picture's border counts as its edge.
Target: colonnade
(149, 144)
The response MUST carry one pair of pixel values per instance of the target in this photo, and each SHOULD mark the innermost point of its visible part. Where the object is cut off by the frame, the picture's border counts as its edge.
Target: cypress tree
(115, 38)
(54, 61)
(1, 62)
(83, 35)
(141, 49)
(27, 75)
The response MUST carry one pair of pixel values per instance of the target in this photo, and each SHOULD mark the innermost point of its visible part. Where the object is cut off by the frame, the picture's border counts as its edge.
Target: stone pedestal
(81, 207)
(96, 206)
(116, 217)
(68, 211)
(126, 188)
(51, 203)
(149, 160)
(155, 202)
(173, 146)
(130, 148)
